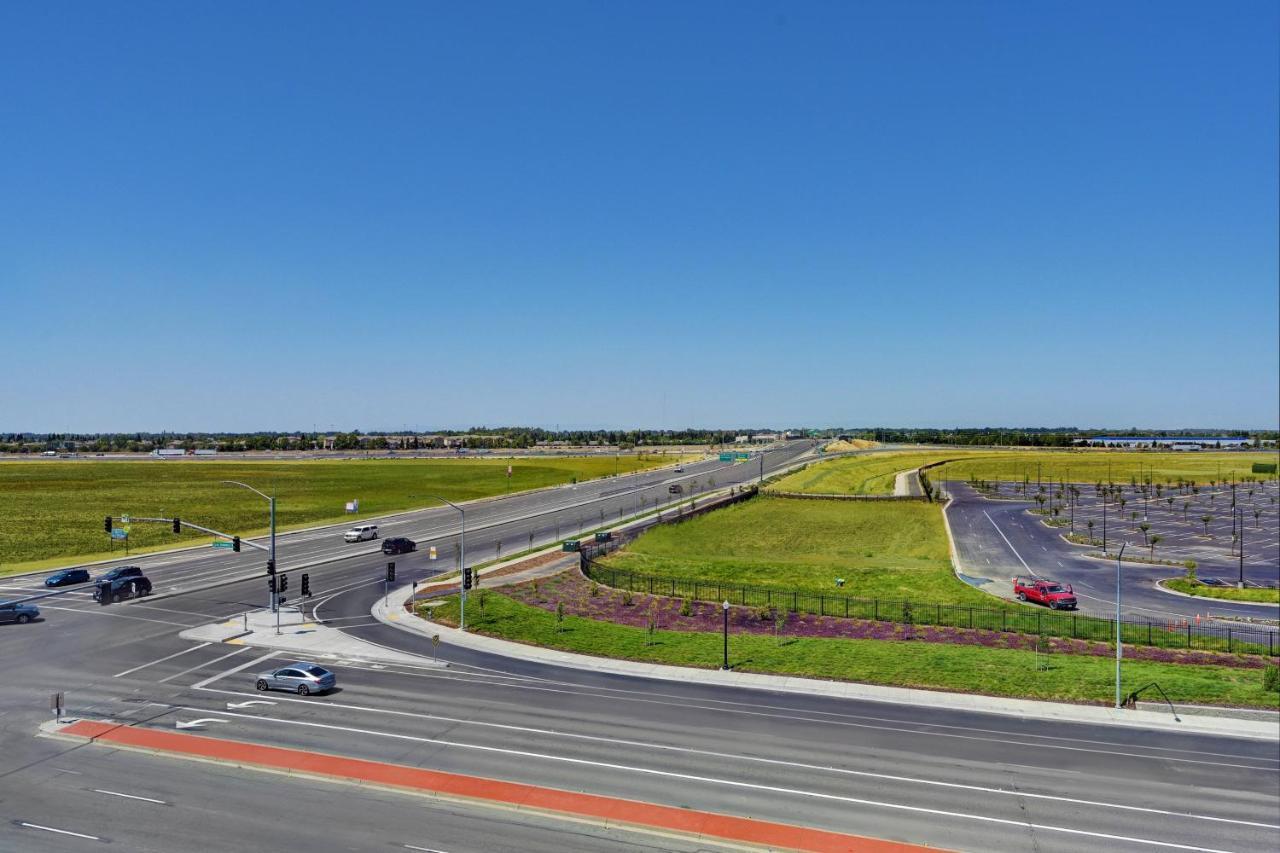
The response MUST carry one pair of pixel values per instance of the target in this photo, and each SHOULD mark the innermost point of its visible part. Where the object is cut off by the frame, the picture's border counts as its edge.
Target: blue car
(67, 576)
(18, 611)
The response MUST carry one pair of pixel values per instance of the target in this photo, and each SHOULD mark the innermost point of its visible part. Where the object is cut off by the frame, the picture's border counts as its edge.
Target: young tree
(1152, 542)
(1206, 519)
(1144, 527)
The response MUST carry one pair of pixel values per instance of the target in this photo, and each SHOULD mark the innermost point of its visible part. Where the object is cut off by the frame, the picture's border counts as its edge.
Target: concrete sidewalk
(392, 612)
(297, 636)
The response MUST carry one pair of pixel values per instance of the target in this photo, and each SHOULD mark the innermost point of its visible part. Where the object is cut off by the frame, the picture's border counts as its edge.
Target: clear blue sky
(240, 216)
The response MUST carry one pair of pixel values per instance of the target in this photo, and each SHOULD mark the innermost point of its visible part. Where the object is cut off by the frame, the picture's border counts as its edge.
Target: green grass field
(872, 474)
(1269, 596)
(51, 512)
(969, 669)
(1091, 466)
(889, 549)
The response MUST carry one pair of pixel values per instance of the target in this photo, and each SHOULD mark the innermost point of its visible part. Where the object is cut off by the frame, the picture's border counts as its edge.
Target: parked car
(18, 611)
(1051, 593)
(301, 678)
(107, 589)
(67, 576)
(398, 545)
(361, 532)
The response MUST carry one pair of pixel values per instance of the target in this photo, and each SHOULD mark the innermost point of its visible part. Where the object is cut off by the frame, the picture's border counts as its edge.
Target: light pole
(462, 558)
(1119, 645)
(725, 606)
(271, 554)
(1240, 582)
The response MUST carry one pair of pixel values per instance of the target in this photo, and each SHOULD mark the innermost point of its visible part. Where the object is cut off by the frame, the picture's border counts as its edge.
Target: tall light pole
(271, 554)
(462, 558)
(1119, 644)
(726, 635)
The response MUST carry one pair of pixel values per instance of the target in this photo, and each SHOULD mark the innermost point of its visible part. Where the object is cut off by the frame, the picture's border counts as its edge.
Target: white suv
(361, 532)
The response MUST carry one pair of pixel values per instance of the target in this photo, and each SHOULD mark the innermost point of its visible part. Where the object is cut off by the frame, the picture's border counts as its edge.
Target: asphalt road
(959, 780)
(998, 539)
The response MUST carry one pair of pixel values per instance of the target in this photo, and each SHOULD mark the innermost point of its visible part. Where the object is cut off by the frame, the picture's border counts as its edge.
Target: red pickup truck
(1055, 595)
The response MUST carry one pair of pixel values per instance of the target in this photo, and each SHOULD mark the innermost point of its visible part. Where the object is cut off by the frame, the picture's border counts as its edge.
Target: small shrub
(627, 600)
(559, 615)
(1191, 570)
(595, 589)
(686, 608)
(1271, 679)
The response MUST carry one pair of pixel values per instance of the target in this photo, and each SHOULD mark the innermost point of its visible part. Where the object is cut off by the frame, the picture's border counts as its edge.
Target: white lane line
(160, 660)
(797, 765)
(203, 665)
(130, 796)
(200, 684)
(423, 849)
(59, 831)
(733, 783)
(106, 612)
(1007, 542)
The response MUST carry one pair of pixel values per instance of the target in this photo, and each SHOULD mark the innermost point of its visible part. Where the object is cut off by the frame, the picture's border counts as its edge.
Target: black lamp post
(725, 606)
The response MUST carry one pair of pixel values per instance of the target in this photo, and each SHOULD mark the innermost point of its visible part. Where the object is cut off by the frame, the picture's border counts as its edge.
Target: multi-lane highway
(953, 779)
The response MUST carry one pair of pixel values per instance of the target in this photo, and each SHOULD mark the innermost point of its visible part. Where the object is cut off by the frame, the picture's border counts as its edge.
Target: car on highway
(679, 469)
(301, 678)
(398, 545)
(18, 611)
(121, 583)
(675, 488)
(67, 576)
(1050, 593)
(361, 532)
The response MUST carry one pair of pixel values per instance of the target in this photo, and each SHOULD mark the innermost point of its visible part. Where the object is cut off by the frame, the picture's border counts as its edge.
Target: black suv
(398, 545)
(120, 583)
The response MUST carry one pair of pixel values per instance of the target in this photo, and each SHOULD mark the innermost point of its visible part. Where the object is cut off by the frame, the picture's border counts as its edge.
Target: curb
(921, 697)
(1159, 584)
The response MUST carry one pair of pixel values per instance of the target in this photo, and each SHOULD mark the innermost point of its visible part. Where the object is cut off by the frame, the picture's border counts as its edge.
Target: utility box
(572, 545)
(604, 536)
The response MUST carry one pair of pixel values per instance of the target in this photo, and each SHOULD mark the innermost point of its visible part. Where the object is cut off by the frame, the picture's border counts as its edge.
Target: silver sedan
(301, 678)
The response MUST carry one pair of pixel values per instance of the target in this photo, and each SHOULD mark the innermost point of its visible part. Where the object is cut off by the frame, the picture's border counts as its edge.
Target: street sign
(124, 519)
(223, 543)
(119, 533)
(726, 457)
(433, 552)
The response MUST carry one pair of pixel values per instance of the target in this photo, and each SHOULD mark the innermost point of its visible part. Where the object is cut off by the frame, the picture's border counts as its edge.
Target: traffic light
(235, 544)
(306, 585)
(106, 524)
(271, 567)
(391, 572)
(177, 525)
(466, 577)
(271, 584)
(284, 582)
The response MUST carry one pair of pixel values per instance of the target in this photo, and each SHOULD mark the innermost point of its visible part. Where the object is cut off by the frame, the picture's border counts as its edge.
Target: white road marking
(423, 849)
(199, 684)
(59, 831)
(105, 611)
(1007, 542)
(202, 665)
(130, 796)
(735, 783)
(159, 660)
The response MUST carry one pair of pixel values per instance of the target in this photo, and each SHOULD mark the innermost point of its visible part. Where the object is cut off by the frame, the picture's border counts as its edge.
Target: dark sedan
(67, 576)
(398, 545)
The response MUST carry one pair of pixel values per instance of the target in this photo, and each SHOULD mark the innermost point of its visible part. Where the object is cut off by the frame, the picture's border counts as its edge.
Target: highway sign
(223, 543)
(726, 457)
(119, 533)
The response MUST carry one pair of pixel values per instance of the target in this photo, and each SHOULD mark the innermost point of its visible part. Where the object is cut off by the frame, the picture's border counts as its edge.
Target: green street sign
(726, 457)
(222, 543)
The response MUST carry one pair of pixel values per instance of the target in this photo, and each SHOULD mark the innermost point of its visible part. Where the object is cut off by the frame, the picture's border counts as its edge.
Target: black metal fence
(1022, 619)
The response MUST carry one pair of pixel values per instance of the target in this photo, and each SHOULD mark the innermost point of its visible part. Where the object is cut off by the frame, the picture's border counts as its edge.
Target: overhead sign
(124, 519)
(726, 457)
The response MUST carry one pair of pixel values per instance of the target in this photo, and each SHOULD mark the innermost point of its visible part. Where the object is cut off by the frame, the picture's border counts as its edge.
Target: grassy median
(969, 669)
(52, 511)
(872, 474)
(889, 549)
(1190, 587)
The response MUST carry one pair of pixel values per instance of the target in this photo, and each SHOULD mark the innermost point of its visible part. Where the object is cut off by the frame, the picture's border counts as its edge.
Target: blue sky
(242, 216)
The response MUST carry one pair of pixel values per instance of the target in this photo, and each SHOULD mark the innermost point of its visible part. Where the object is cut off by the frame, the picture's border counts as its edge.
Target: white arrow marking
(231, 706)
(196, 724)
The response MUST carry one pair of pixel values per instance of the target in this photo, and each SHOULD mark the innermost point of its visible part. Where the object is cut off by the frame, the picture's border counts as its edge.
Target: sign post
(435, 645)
(55, 705)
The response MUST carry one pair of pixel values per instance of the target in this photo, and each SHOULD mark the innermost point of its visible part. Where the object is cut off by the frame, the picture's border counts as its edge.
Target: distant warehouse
(1180, 442)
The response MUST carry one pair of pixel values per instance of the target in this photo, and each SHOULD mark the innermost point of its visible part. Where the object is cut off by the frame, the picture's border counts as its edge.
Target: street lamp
(1119, 645)
(726, 635)
(462, 557)
(271, 554)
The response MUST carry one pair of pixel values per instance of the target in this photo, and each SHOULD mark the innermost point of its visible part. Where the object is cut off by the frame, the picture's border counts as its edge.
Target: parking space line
(129, 796)
(59, 831)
